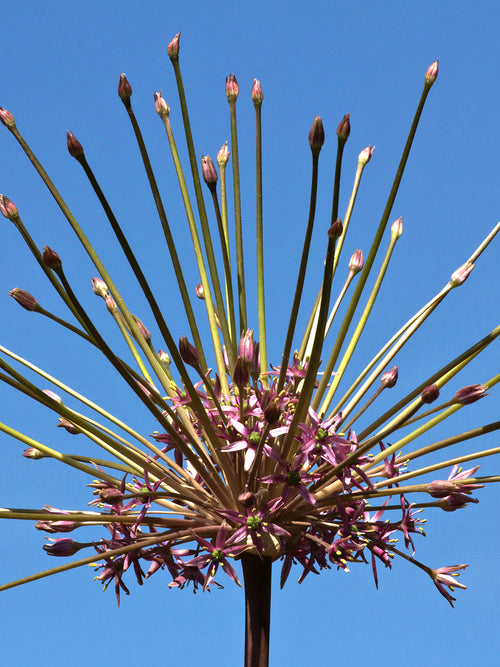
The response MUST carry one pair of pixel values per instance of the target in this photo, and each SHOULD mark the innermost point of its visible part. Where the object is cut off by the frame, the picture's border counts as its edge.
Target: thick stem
(257, 580)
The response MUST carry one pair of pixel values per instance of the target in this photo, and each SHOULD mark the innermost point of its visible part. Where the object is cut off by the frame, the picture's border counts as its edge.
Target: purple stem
(257, 581)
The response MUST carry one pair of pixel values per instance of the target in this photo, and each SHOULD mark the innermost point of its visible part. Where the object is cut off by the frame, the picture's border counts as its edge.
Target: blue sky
(61, 63)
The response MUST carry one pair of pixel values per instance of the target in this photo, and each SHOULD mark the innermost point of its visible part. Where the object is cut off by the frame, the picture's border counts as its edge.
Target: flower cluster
(250, 462)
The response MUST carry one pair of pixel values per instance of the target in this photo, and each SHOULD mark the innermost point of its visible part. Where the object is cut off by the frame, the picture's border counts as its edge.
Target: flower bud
(70, 428)
(344, 128)
(459, 276)
(430, 394)
(124, 90)
(390, 378)
(241, 375)
(198, 290)
(209, 172)
(356, 262)
(397, 228)
(110, 303)
(63, 546)
(247, 499)
(143, 330)
(246, 346)
(99, 287)
(272, 413)
(188, 352)
(164, 358)
(366, 155)
(223, 155)
(7, 118)
(51, 259)
(431, 73)
(173, 47)
(74, 146)
(257, 94)
(316, 134)
(336, 229)
(24, 299)
(470, 394)
(33, 453)
(8, 208)
(110, 495)
(162, 108)
(232, 88)
(52, 395)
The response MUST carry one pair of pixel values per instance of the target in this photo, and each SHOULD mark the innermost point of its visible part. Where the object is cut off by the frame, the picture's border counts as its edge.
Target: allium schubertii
(249, 461)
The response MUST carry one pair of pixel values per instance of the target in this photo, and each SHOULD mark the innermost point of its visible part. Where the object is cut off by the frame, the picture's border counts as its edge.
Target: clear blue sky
(60, 67)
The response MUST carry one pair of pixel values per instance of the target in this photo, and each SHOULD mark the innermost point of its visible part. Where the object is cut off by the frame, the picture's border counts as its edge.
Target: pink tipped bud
(430, 394)
(51, 394)
(110, 303)
(7, 118)
(223, 155)
(199, 292)
(247, 499)
(366, 155)
(356, 262)
(70, 428)
(432, 72)
(470, 394)
(188, 352)
(390, 378)
(209, 172)
(51, 259)
(173, 47)
(8, 208)
(24, 299)
(257, 94)
(246, 346)
(459, 276)
(99, 287)
(74, 146)
(232, 88)
(143, 330)
(164, 358)
(124, 90)
(336, 229)
(316, 134)
(162, 108)
(344, 128)
(397, 228)
(33, 453)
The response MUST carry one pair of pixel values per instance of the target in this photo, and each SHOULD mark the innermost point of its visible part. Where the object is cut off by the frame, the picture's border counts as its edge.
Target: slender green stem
(260, 243)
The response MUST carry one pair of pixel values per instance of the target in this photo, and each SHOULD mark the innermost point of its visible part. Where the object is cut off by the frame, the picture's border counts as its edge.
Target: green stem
(257, 572)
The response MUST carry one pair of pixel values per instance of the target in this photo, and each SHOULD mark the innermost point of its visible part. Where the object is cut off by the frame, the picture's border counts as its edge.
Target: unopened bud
(316, 134)
(124, 90)
(162, 108)
(7, 118)
(432, 72)
(68, 426)
(390, 378)
(24, 299)
(8, 208)
(246, 346)
(430, 394)
(366, 155)
(470, 394)
(143, 330)
(188, 352)
(33, 453)
(223, 155)
(397, 228)
(198, 290)
(272, 413)
(247, 499)
(336, 229)
(173, 47)
(232, 88)
(257, 94)
(53, 395)
(344, 128)
(63, 546)
(164, 358)
(110, 495)
(110, 303)
(356, 262)
(241, 375)
(74, 146)
(99, 287)
(459, 276)
(209, 172)
(51, 259)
